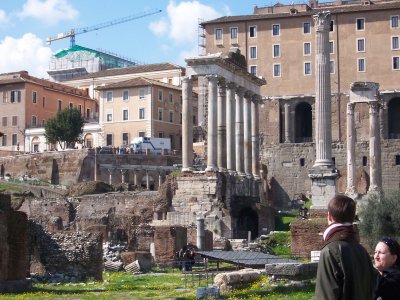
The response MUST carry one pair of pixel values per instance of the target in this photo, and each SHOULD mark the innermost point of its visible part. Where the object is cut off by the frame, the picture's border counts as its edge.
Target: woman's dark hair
(394, 247)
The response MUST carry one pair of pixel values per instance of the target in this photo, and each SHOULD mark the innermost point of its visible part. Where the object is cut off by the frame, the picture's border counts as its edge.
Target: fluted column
(255, 137)
(374, 148)
(287, 122)
(230, 128)
(247, 134)
(187, 125)
(239, 131)
(221, 139)
(212, 124)
(323, 133)
(351, 150)
(147, 180)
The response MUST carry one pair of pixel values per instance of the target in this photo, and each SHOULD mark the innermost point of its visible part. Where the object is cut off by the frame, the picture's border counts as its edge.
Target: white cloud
(3, 17)
(48, 11)
(159, 27)
(26, 53)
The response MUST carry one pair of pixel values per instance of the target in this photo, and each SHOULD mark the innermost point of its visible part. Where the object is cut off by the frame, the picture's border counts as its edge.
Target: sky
(168, 36)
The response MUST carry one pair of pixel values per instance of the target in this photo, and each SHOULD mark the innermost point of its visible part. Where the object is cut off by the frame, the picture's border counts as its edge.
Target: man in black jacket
(345, 269)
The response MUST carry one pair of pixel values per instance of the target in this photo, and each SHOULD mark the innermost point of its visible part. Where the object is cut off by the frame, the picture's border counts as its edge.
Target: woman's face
(382, 257)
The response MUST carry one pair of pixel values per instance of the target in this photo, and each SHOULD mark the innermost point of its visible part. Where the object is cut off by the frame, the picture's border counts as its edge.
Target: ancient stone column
(110, 176)
(160, 179)
(287, 122)
(135, 177)
(351, 151)
(123, 172)
(212, 124)
(201, 234)
(255, 138)
(374, 148)
(187, 125)
(221, 139)
(247, 134)
(230, 128)
(323, 133)
(147, 180)
(239, 131)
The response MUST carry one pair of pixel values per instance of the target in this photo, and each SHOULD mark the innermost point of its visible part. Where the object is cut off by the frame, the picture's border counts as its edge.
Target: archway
(393, 118)
(143, 182)
(247, 221)
(35, 144)
(88, 140)
(303, 123)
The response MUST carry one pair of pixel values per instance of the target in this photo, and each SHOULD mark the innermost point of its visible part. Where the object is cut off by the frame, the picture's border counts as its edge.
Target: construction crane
(75, 31)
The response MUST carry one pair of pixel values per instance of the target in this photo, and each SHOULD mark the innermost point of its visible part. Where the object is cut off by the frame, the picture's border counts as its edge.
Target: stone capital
(212, 78)
(231, 85)
(240, 91)
(350, 108)
(248, 94)
(373, 108)
(256, 99)
(322, 21)
(186, 79)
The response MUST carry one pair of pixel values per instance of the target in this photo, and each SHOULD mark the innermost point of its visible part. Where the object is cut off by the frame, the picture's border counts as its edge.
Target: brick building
(28, 102)
(279, 45)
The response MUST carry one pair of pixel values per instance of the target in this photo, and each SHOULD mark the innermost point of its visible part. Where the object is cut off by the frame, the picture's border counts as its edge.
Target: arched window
(393, 118)
(303, 123)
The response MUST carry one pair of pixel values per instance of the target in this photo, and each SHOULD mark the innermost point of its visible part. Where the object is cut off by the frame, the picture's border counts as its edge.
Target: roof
(23, 76)
(333, 9)
(136, 82)
(131, 70)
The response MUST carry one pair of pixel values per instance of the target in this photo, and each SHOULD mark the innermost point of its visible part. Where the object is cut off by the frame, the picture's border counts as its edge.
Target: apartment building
(279, 45)
(141, 107)
(28, 102)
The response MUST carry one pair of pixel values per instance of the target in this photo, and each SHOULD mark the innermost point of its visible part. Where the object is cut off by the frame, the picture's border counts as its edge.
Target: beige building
(279, 44)
(141, 107)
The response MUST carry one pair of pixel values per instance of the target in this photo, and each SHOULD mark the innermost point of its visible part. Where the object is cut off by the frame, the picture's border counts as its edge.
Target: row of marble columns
(374, 149)
(232, 132)
(135, 179)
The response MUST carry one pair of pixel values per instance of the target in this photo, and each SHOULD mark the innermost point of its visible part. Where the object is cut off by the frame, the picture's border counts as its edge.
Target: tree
(65, 128)
(379, 217)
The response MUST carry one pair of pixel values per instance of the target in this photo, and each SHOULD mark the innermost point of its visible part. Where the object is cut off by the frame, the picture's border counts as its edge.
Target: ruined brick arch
(393, 109)
(303, 122)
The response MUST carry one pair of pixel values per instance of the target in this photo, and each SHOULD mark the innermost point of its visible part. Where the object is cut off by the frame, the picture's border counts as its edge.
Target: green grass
(158, 286)
(10, 188)
(278, 243)
(283, 220)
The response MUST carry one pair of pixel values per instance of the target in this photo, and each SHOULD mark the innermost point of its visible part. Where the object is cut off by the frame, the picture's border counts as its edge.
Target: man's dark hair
(342, 209)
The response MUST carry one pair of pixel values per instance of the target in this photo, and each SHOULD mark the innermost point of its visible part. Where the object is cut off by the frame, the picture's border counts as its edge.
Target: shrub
(380, 216)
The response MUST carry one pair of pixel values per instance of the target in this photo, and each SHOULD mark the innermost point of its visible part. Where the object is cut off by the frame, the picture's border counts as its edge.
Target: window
(361, 45)
(394, 21)
(218, 34)
(160, 114)
(395, 42)
(361, 64)
(109, 139)
(306, 27)
(306, 49)
(43, 101)
(15, 96)
(364, 161)
(4, 140)
(170, 98)
(5, 97)
(253, 52)
(59, 104)
(109, 116)
(396, 63)
(360, 23)
(307, 68)
(276, 50)
(171, 117)
(253, 31)
(71, 105)
(302, 162)
(141, 113)
(125, 96)
(331, 47)
(332, 66)
(14, 120)
(277, 70)
(34, 97)
(234, 35)
(142, 94)
(276, 28)
(4, 122)
(141, 133)
(125, 115)
(34, 121)
(160, 95)
(125, 138)
(109, 96)
(332, 26)
(161, 135)
(253, 70)
(80, 108)
(14, 139)
(397, 159)
(88, 113)
(180, 118)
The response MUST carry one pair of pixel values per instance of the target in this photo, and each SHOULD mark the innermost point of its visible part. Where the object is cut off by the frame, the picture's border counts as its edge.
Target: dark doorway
(55, 174)
(393, 118)
(247, 221)
(2, 171)
(303, 123)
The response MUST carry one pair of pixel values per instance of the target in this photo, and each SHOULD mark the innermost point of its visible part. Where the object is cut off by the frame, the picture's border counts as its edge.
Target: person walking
(345, 269)
(387, 264)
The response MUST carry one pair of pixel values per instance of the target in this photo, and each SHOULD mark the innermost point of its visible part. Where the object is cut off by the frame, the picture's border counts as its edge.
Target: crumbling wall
(167, 241)
(307, 236)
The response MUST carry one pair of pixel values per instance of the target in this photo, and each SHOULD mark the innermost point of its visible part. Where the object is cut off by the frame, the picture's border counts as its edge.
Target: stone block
(292, 269)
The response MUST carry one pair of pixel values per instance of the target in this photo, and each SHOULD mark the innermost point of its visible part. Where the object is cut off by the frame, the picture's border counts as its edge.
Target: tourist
(345, 269)
(387, 262)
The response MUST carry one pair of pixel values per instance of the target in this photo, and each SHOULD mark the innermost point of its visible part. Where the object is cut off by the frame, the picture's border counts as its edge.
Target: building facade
(279, 44)
(28, 102)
